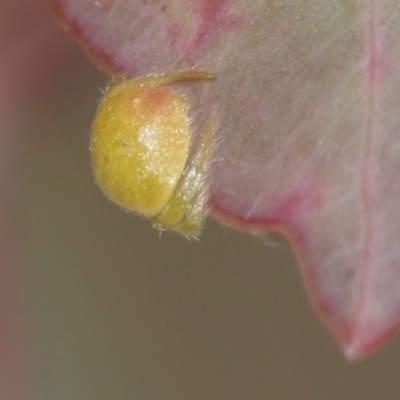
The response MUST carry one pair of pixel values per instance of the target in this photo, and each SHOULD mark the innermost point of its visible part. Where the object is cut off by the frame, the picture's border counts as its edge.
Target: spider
(141, 154)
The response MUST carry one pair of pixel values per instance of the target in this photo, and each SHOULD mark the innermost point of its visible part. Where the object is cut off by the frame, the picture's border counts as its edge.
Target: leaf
(307, 103)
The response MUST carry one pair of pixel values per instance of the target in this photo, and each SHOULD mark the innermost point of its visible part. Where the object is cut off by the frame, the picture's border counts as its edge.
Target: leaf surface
(306, 105)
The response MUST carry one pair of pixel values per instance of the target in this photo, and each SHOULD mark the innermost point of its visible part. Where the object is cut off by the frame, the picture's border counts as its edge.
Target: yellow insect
(142, 156)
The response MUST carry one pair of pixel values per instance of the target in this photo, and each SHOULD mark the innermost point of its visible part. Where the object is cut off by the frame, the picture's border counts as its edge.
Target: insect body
(141, 151)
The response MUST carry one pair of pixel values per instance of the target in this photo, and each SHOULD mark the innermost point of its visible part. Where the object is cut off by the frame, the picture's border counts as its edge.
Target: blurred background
(106, 308)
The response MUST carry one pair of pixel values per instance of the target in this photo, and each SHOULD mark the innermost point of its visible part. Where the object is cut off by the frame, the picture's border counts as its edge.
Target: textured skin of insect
(141, 151)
